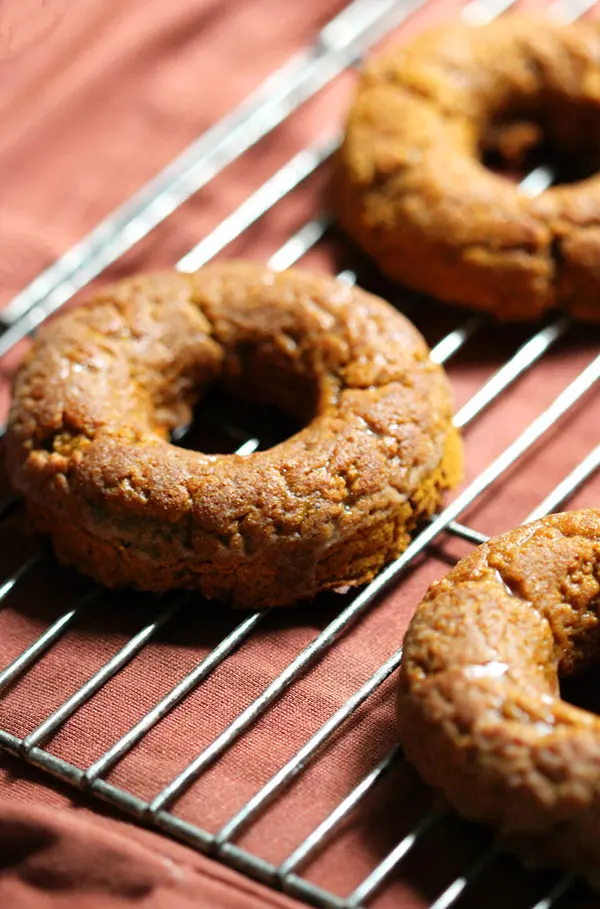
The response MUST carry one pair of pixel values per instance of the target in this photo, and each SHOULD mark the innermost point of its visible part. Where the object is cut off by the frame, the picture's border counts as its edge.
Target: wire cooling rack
(339, 45)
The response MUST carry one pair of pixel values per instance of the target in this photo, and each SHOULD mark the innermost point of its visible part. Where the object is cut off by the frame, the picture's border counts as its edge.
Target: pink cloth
(95, 98)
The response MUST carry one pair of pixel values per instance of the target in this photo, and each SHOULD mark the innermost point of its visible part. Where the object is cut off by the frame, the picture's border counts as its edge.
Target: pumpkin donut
(95, 401)
(479, 707)
(411, 188)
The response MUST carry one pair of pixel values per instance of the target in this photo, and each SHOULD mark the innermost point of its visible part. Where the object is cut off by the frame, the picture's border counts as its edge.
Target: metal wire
(455, 890)
(177, 694)
(560, 405)
(296, 763)
(578, 475)
(320, 834)
(386, 868)
(52, 634)
(556, 893)
(124, 656)
(26, 566)
(337, 46)
(350, 615)
(290, 176)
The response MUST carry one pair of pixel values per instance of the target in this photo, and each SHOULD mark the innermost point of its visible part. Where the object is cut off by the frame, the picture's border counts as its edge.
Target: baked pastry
(479, 707)
(94, 404)
(411, 187)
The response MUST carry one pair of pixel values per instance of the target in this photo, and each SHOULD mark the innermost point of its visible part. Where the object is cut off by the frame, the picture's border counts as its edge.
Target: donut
(97, 398)
(479, 707)
(411, 188)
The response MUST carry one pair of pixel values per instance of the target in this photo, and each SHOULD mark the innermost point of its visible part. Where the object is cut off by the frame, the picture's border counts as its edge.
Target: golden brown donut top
(96, 399)
(479, 706)
(413, 190)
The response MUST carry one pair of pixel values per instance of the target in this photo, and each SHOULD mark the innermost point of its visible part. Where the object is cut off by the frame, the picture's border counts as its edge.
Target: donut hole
(583, 690)
(261, 393)
(553, 131)
(222, 423)
(276, 372)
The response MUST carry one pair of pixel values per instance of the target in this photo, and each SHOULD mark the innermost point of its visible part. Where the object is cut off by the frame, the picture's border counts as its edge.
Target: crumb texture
(479, 706)
(411, 188)
(96, 400)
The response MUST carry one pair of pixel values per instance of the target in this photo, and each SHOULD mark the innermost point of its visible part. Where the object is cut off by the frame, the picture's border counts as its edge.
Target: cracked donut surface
(479, 706)
(97, 397)
(411, 189)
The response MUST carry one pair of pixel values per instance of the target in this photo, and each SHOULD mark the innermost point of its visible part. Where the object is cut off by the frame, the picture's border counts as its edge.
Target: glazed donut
(479, 706)
(411, 188)
(94, 404)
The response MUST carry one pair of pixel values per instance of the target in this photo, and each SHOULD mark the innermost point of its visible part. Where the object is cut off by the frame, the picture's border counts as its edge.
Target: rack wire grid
(338, 46)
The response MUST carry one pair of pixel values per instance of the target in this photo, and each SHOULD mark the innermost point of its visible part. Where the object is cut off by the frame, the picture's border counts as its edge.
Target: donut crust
(410, 187)
(479, 706)
(104, 385)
